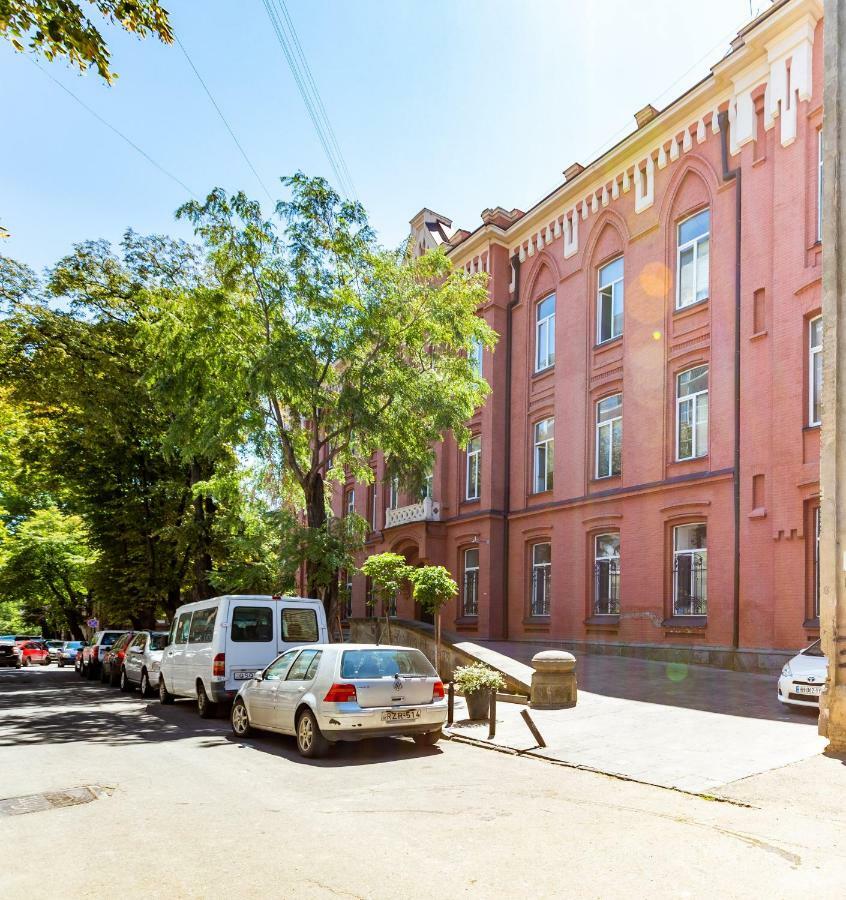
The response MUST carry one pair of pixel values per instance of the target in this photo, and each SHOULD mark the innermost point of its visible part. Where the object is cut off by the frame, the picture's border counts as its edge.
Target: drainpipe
(734, 175)
(506, 506)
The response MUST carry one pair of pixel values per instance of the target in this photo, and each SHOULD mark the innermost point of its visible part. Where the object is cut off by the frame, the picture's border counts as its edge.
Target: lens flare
(654, 278)
(676, 671)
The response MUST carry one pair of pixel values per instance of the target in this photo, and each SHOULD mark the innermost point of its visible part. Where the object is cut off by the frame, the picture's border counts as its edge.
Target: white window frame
(544, 336)
(470, 579)
(816, 572)
(541, 570)
(545, 447)
(700, 552)
(608, 425)
(349, 505)
(426, 490)
(477, 357)
(814, 350)
(819, 183)
(473, 469)
(693, 242)
(393, 493)
(693, 399)
(617, 292)
(374, 506)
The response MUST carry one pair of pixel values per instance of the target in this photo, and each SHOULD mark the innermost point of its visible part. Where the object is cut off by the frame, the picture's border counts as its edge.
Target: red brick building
(645, 472)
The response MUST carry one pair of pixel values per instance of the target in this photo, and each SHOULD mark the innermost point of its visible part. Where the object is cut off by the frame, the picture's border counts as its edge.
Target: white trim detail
(571, 233)
(645, 185)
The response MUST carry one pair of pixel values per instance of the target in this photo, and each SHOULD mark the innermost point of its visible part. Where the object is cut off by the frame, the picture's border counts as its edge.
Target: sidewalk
(663, 743)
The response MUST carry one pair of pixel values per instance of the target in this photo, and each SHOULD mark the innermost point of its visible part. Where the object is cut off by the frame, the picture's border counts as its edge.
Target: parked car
(53, 648)
(142, 662)
(803, 678)
(88, 662)
(17, 638)
(69, 651)
(113, 660)
(215, 645)
(10, 655)
(33, 652)
(343, 692)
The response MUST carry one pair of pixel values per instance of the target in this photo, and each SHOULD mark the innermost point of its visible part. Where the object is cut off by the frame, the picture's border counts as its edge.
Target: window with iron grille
(690, 570)
(470, 592)
(541, 572)
(606, 588)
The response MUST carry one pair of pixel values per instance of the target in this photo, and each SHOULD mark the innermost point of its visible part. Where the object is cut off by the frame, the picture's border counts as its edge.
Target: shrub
(478, 677)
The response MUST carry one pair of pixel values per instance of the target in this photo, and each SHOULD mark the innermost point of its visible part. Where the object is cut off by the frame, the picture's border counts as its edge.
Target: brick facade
(629, 205)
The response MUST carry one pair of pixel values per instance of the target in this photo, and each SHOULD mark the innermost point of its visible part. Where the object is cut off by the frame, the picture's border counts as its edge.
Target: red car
(33, 652)
(113, 659)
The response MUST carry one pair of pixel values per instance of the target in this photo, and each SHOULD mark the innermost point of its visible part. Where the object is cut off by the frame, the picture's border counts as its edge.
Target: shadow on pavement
(57, 706)
(671, 683)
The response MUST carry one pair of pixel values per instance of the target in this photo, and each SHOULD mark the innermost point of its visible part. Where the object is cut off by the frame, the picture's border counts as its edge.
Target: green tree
(55, 28)
(311, 337)
(387, 572)
(432, 587)
(46, 566)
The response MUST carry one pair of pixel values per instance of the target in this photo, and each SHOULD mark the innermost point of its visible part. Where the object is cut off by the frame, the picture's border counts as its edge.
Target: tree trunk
(204, 510)
(315, 503)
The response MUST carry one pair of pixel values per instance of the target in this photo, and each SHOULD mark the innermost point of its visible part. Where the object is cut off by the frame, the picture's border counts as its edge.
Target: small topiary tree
(433, 586)
(387, 572)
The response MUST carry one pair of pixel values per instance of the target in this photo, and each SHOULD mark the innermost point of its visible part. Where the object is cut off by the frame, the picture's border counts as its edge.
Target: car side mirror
(259, 676)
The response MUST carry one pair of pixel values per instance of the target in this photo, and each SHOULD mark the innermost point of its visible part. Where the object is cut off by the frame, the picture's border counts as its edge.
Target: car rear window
(384, 663)
(252, 624)
(108, 639)
(202, 626)
(299, 625)
(158, 641)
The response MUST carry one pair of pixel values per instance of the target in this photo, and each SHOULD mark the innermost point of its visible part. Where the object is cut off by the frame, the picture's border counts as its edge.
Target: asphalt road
(179, 808)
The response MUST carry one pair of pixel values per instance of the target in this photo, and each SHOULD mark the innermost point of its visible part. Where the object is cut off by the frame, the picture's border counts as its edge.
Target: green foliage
(46, 564)
(432, 587)
(61, 28)
(387, 571)
(478, 677)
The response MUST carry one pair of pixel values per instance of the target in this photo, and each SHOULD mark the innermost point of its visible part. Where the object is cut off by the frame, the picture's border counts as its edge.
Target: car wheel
(310, 740)
(428, 738)
(46, 661)
(61, 663)
(103, 676)
(18, 665)
(125, 686)
(205, 707)
(240, 719)
(165, 695)
(145, 684)
(114, 678)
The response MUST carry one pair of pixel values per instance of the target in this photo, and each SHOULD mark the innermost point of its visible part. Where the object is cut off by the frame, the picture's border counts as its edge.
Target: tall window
(545, 334)
(606, 590)
(374, 508)
(693, 254)
(692, 413)
(544, 455)
(426, 490)
(815, 371)
(476, 357)
(609, 436)
(609, 302)
(470, 592)
(393, 493)
(819, 183)
(817, 521)
(690, 570)
(541, 570)
(349, 502)
(474, 463)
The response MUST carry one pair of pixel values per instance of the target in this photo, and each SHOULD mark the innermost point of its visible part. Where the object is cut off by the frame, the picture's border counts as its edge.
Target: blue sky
(452, 105)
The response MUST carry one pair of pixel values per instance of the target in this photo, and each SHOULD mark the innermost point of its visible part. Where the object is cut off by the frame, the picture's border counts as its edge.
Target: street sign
(93, 623)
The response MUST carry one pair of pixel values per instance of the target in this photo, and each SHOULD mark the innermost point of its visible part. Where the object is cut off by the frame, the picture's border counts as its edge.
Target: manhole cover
(30, 803)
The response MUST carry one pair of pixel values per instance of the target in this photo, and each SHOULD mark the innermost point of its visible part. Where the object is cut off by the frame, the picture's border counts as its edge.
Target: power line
(119, 133)
(223, 119)
(309, 94)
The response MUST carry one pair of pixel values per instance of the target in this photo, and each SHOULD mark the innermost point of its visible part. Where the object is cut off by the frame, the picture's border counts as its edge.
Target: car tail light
(341, 693)
(437, 691)
(219, 665)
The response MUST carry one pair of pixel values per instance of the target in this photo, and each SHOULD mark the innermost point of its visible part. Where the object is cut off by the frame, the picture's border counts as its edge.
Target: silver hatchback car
(323, 693)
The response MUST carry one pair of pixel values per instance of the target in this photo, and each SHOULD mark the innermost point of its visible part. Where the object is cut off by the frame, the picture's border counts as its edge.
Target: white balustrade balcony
(426, 510)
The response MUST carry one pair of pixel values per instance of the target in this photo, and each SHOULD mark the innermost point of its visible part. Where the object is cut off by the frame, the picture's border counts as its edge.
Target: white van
(215, 645)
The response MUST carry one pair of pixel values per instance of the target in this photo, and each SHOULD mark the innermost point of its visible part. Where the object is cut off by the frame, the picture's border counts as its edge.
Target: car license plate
(808, 688)
(400, 715)
(242, 676)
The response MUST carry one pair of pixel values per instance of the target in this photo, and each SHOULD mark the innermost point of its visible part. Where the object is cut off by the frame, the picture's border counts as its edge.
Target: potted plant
(476, 683)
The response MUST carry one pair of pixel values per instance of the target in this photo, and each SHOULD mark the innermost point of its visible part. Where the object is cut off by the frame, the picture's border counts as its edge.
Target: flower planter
(478, 704)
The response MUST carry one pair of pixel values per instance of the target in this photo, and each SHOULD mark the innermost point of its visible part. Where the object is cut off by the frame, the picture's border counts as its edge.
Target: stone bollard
(554, 680)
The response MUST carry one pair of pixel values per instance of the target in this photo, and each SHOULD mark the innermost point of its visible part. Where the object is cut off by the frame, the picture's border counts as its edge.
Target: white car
(803, 678)
(344, 692)
(216, 645)
(142, 661)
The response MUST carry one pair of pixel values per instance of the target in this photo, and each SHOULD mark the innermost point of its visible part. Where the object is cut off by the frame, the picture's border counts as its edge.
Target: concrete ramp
(454, 650)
